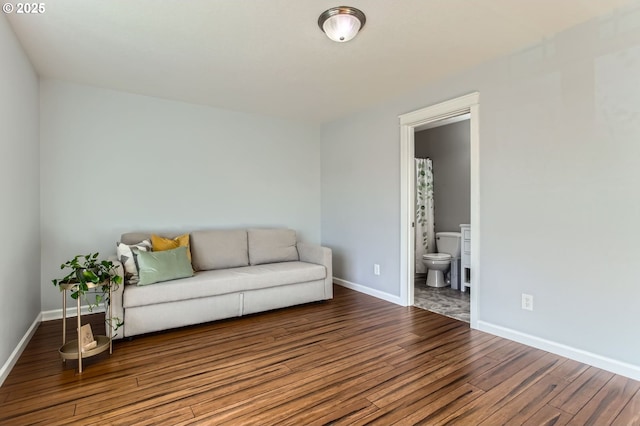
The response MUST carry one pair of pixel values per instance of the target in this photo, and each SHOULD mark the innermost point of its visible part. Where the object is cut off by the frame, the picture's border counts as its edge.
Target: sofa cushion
(134, 237)
(272, 245)
(219, 249)
(127, 254)
(163, 265)
(224, 281)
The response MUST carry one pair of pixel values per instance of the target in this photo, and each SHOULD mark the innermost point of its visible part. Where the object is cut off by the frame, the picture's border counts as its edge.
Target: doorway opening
(443, 213)
(434, 116)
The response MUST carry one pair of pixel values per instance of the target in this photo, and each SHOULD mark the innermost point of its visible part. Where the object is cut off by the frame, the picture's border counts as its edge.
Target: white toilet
(448, 246)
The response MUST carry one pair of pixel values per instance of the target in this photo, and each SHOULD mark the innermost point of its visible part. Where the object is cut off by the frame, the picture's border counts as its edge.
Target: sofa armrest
(317, 254)
(117, 311)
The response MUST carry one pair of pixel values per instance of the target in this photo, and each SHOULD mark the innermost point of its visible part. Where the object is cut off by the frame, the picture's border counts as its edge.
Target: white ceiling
(270, 57)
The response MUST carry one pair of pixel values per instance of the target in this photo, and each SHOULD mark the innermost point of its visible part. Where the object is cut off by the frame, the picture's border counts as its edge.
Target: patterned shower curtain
(425, 223)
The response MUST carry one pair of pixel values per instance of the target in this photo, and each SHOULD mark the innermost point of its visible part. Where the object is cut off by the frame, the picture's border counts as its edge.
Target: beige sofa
(237, 272)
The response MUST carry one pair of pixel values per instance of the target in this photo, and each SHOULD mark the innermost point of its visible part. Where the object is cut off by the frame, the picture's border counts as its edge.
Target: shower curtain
(425, 224)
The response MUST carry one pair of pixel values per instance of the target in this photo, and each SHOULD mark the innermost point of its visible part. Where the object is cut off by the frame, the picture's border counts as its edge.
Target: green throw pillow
(157, 266)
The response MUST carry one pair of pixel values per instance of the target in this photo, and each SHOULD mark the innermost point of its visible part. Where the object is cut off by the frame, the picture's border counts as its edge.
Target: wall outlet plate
(376, 269)
(527, 302)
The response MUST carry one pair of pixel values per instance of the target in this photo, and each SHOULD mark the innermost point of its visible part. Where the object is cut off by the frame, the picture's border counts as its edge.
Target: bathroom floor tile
(443, 300)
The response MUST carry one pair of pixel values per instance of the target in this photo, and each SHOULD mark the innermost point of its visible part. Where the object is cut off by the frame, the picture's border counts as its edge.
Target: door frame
(409, 124)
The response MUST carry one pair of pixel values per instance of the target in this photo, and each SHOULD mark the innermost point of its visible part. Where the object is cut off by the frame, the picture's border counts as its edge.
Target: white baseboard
(595, 360)
(15, 355)
(366, 290)
(599, 361)
(71, 312)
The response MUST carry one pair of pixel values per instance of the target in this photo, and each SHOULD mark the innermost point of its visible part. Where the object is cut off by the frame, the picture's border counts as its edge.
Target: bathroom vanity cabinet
(465, 258)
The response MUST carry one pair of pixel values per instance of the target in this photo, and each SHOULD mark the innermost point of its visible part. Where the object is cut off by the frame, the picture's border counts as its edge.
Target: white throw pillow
(127, 254)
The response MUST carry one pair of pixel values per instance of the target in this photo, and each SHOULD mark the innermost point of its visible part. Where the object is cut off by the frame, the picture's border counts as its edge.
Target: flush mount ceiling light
(341, 23)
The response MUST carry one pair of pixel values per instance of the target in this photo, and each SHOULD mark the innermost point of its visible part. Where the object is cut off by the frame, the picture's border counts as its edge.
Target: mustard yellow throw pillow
(159, 243)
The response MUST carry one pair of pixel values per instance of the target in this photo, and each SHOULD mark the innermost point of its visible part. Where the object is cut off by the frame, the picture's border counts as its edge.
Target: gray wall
(448, 147)
(20, 212)
(559, 178)
(165, 165)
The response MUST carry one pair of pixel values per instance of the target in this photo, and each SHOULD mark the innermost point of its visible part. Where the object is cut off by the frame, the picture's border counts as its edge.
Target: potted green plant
(90, 275)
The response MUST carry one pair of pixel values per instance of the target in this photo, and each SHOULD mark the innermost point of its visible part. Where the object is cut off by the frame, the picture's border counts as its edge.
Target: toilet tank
(449, 242)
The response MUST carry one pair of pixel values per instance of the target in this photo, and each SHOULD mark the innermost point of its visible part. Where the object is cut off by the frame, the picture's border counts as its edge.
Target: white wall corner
(15, 355)
(42, 316)
(618, 367)
(369, 291)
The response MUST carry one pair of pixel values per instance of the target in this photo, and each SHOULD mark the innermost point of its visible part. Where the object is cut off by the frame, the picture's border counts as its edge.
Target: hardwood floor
(354, 360)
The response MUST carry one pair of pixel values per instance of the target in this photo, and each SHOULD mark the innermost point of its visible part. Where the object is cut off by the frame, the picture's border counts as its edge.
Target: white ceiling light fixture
(341, 23)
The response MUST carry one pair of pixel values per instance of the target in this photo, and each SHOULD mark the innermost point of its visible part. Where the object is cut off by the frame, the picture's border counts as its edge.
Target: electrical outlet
(527, 302)
(376, 269)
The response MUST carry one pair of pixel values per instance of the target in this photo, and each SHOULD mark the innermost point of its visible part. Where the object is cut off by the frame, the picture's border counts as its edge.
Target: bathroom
(443, 204)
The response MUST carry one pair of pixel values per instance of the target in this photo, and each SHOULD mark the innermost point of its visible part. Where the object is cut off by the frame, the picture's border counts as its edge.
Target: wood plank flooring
(354, 360)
